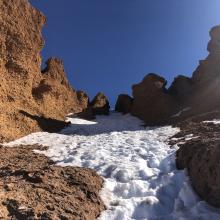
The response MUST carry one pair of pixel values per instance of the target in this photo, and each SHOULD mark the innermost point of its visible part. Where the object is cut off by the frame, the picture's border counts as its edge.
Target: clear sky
(108, 45)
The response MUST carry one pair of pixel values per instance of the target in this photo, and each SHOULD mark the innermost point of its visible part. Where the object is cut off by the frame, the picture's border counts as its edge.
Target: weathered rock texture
(23, 86)
(83, 99)
(100, 104)
(200, 156)
(32, 187)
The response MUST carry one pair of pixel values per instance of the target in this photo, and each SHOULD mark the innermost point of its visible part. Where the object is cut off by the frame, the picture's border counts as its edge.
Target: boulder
(100, 104)
(151, 101)
(124, 104)
(45, 94)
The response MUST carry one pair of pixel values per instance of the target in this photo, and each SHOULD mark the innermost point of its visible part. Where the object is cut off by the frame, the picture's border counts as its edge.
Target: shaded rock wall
(23, 85)
(200, 93)
(151, 102)
(98, 106)
(124, 104)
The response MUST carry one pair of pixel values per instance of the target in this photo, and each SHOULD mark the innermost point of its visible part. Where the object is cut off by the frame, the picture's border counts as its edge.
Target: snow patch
(214, 121)
(137, 164)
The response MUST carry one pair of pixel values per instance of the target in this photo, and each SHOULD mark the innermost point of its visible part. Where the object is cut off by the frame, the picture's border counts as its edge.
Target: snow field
(137, 164)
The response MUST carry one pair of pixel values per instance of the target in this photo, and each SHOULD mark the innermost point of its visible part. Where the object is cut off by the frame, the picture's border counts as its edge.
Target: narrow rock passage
(141, 179)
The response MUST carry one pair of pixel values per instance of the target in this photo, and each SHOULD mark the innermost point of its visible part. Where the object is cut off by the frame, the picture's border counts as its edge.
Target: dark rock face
(181, 88)
(201, 158)
(100, 104)
(23, 86)
(199, 94)
(124, 104)
(87, 114)
(207, 77)
(151, 102)
(34, 188)
(201, 155)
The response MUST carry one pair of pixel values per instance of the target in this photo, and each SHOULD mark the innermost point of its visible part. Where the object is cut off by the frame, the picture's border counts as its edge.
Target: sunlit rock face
(23, 85)
(100, 104)
(83, 99)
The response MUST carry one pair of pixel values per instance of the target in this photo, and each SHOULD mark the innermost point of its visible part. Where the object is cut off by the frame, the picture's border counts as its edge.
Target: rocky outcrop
(181, 89)
(206, 77)
(24, 87)
(198, 94)
(33, 187)
(151, 102)
(200, 155)
(124, 104)
(83, 99)
(100, 104)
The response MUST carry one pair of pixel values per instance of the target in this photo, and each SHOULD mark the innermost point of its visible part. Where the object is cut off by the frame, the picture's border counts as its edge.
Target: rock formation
(207, 76)
(24, 87)
(86, 114)
(100, 104)
(181, 89)
(124, 104)
(83, 99)
(199, 94)
(33, 187)
(200, 156)
(151, 101)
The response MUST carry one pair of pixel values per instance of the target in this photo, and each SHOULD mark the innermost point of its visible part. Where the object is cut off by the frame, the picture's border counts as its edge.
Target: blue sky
(108, 45)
